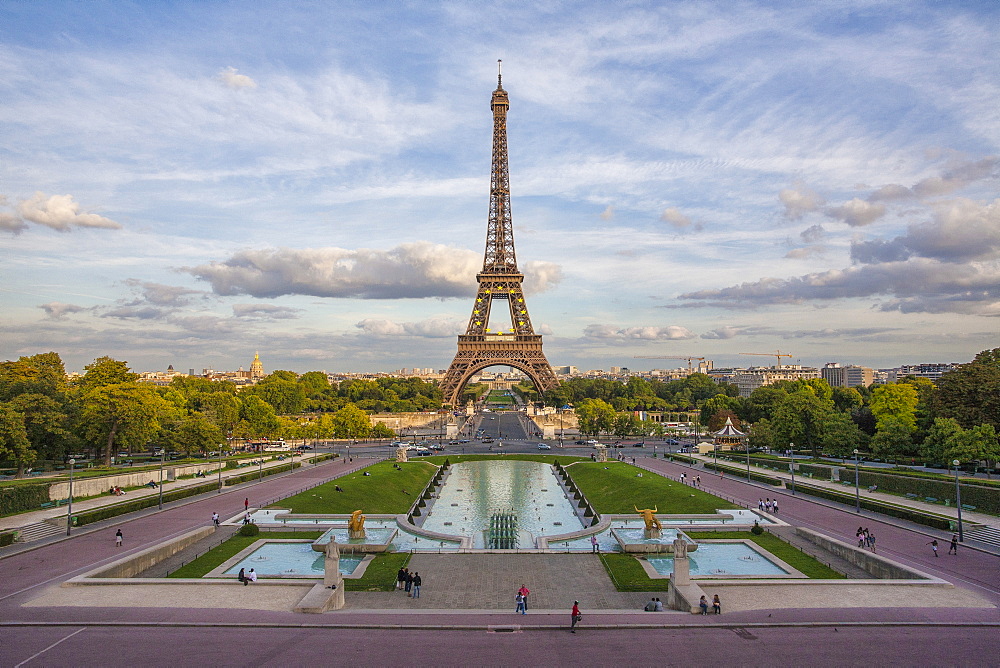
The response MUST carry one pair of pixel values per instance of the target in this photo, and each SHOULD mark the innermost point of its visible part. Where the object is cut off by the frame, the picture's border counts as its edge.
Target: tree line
(45, 416)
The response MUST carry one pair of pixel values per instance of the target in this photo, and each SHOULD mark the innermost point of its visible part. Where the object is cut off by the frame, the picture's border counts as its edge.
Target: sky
(186, 183)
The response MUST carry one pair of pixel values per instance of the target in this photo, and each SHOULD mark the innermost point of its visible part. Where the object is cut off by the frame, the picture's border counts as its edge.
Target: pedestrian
(716, 605)
(774, 506)
(215, 519)
(519, 600)
(593, 544)
(953, 548)
(703, 604)
(651, 606)
(767, 504)
(860, 535)
(400, 578)
(659, 605)
(868, 540)
(575, 616)
(408, 584)
(242, 577)
(246, 503)
(251, 576)
(417, 581)
(934, 546)
(760, 504)
(871, 541)
(246, 518)
(699, 481)
(524, 591)
(119, 538)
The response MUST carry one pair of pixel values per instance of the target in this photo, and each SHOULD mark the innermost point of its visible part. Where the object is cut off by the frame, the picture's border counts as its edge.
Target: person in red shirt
(575, 616)
(524, 591)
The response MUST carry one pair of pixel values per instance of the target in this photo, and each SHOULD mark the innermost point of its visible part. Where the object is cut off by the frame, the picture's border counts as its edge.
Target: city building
(847, 376)
(749, 380)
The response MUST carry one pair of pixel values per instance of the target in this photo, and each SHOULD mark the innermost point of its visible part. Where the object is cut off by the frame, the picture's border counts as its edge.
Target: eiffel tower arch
(518, 347)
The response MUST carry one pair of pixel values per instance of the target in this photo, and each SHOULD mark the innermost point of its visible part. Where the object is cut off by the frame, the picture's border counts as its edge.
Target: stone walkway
(490, 581)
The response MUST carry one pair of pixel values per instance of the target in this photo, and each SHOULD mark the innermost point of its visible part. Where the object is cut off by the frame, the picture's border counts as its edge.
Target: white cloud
(804, 252)
(265, 312)
(799, 200)
(673, 216)
(60, 212)
(231, 79)
(434, 328)
(11, 223)
(669, 333)
(723, 333)
(857, 212)
(57, 310)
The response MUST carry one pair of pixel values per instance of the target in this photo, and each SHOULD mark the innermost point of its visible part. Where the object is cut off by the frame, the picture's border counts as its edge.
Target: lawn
(627, 574)
(615, 488)
(380, 574)
(386, 491)
(215, 557)
(790, 554)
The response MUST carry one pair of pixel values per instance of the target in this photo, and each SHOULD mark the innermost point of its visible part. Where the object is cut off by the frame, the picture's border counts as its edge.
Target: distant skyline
(186, 182)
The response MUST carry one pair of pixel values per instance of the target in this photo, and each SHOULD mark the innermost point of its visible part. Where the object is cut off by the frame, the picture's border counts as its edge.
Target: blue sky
(187, 182)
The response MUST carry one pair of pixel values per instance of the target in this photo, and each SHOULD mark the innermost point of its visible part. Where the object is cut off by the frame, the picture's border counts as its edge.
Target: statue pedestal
(652, 533)
(330, 594)
(602, 453)
(681, 576)
(356, 533)
(401, 454)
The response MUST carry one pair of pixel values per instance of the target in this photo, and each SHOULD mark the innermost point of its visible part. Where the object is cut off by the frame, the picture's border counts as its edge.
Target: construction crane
(777, 354)
(670, 357)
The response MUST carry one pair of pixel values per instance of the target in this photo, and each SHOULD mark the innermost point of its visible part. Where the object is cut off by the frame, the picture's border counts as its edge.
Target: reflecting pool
(475, 491)
(721, 559)
(291, 559)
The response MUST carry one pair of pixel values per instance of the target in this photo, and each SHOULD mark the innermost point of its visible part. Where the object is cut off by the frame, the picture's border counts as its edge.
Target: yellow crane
(669, 357)
(777, 354)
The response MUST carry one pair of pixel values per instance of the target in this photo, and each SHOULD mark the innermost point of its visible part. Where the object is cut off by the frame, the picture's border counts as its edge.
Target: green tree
(121, 416)
(257, 418)
(14, 444)
(46, 424)
(762, 403)
(595, 416)
(351, 422)
(314, 383)
(971, 393)
(105, 371)
(898, 401)
(35, 374)
(380, 430)
(626, 424)
(222, 408)
(846, 399)
(840, 435)
(761, 435)
(974, 445)
(892, 440)
(939, 438)
(199, 434)
(800, 418)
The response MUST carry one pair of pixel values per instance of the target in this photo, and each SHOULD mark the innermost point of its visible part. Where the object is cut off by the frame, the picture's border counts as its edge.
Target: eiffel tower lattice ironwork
(519, 347)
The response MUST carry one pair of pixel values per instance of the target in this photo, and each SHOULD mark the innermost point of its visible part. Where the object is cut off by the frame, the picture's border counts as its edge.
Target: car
(672, 441)
(581, 443)
(424, 453)
(452, 442)
(592, 442)
(638, 444)
(544, 446)
(437, 446)
(306, 447)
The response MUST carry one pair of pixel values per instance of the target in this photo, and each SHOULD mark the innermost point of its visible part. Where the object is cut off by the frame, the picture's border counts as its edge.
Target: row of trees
(106, 411)
(956, 418)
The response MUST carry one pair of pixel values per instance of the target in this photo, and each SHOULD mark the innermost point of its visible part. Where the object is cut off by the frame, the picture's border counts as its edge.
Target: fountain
(653, 527)
(356, 525)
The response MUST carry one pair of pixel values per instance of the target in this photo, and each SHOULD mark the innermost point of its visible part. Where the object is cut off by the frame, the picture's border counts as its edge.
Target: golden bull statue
(652, 524)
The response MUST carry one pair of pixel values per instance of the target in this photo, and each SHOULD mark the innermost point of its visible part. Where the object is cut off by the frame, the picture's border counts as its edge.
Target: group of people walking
(694, 481)
(952, 548)
(767, 505)
(409, 582)
(866, 538)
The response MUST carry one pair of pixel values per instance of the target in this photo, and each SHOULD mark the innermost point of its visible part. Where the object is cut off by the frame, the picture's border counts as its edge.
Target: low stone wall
(132, 566)
(97, 486)
(398, 421)
(877, 566)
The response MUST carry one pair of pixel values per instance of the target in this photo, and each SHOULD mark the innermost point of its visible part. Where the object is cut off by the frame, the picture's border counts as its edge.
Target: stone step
(37, 531)
(985, 534)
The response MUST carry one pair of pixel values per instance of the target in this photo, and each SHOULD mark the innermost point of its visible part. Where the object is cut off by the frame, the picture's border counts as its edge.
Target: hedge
(901, 512)
(7, 538)
(117, 509)
(985, 499)
(19, 498)
(254, 475)
(821, 472)
(742, 473)
(683, 458)
(940, 477)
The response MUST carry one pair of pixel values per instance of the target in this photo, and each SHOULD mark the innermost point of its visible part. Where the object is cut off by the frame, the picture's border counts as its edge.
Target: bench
(873, 488)
(48, 504)
(930, 499)
(911, 495)
(966, 506)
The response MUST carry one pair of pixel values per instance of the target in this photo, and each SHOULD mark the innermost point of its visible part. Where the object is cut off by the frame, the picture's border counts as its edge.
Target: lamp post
(958, 502)
(260, 466)
(791, 464)
(69, 507)
(857, 490)
(162, 455)
(220, 469)
(746, 444)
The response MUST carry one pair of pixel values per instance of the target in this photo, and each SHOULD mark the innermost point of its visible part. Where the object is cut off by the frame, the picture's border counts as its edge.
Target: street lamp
(857, 490)
(260, 466)
(69, 508)
(791, 464)
(220, 468)
(746, 444)
(162, 455)
(958, 502)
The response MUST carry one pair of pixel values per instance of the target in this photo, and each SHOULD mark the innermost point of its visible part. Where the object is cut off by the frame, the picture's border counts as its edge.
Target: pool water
(721, 559)
(373, 536)
(291, 559)
(473, 491)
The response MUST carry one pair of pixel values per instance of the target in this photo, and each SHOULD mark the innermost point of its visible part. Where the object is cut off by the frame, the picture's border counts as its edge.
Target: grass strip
(215, 557)
(627, 574)
(616, 488)
(791, 555)
(380, 574)
(385, 490)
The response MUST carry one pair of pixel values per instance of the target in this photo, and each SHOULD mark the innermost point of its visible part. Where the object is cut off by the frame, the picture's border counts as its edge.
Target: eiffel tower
(518, 347)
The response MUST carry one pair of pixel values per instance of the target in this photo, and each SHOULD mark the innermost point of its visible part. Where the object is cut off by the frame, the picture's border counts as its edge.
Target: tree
(718, 419)
(105, 371)
(14, 442)
(595, 416)
(840, 435)
(897, 400)
(799, 419)
(938, 439)
(846, 399)
(761, 435)
(974, 445)
(626, 424)
(287, 397)
(198, 434)
(380, 430)
(314, 382)
(222, 408)
(121, 415)
(351, 422)
(257, 418)
(35, 374)
(762, 403)
(892, 440)
(45, 423)
(971, 393)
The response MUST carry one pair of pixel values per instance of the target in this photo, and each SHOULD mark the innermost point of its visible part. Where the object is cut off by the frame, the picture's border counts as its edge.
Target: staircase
(984, 534)
(38, 531)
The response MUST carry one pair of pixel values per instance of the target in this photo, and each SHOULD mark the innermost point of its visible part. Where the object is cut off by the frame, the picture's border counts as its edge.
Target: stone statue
(331, 565)
(401, 453)
(680, 548)
(356, 525)
(652, 524)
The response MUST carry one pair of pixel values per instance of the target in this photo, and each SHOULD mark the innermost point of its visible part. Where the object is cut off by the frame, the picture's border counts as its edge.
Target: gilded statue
(649, 515)
(356, 523)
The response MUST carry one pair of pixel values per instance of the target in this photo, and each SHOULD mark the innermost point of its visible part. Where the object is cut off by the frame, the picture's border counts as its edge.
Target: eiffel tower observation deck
(517, 346)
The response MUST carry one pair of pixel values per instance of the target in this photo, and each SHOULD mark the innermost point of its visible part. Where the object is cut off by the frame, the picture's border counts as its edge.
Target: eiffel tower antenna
(518, 347)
